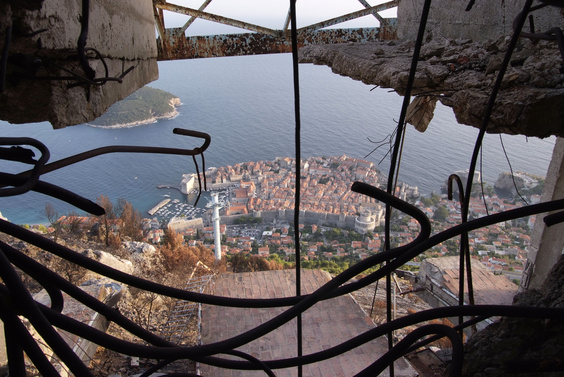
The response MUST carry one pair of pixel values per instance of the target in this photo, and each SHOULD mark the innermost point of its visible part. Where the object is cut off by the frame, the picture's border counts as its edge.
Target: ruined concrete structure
(459, 74)
(484, 20)
(173, 44)
(50, 76)
(459, 61)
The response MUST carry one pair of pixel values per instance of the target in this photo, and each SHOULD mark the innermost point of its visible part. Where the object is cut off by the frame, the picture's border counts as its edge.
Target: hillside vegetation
(144, 106)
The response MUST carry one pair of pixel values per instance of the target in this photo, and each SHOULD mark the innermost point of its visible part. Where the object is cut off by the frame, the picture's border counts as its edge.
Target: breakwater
(161, 204)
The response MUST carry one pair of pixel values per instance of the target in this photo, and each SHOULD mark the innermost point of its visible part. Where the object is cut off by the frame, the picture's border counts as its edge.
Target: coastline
(174, 103)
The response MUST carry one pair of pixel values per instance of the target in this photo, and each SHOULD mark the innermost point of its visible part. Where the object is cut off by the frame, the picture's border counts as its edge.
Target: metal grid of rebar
(183, 310)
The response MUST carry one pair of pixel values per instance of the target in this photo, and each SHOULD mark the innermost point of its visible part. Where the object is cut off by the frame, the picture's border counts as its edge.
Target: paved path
(325, 325)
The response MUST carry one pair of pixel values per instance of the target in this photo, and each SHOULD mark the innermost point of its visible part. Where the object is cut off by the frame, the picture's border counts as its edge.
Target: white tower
(215, 218)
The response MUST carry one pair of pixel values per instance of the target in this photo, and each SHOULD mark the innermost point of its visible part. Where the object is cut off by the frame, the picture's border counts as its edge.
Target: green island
(144, 106)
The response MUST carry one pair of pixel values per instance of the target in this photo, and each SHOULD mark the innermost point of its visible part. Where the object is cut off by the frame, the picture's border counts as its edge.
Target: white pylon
(215, 218)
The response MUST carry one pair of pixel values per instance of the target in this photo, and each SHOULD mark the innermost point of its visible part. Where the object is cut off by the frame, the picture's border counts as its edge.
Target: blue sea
(247, 105)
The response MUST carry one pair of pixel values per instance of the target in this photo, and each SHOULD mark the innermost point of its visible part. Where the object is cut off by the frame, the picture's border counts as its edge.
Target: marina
(169, 209)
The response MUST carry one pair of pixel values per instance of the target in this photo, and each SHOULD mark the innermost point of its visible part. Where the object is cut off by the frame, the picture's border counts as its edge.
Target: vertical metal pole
(517, 27)
(394, 303)
(298, 171)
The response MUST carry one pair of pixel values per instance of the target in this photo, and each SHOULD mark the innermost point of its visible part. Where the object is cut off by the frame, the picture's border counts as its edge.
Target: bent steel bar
(33, 175)
(397, 256)
(409, 320)
(306, 302)
(132, 149)
(29, 180)
(464, 245)
(56, 192)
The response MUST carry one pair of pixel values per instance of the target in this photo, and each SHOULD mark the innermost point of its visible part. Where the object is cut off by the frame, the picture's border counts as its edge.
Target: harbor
(169, 209)
(181, 206)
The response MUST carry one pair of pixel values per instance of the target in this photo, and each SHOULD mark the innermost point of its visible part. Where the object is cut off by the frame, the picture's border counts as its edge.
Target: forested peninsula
(144, 106)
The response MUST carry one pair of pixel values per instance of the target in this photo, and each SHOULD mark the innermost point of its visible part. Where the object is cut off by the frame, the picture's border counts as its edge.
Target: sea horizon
(246, 105)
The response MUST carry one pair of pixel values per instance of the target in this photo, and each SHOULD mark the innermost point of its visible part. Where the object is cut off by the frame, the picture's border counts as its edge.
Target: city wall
(486, 20)
(306, 217)
(179, 224)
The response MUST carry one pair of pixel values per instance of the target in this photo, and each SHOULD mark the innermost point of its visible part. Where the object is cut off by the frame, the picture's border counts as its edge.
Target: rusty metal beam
(287, 21)
(159, 22)
(215, 18)
(255, 44)
(352, 16)
(173, 44)
(193, 18)
(375, 14)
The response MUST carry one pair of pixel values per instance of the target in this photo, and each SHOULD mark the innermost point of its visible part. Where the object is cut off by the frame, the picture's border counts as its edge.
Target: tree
(130, 220)
(74, 223)
(68, 270)
(110, 215)
(53, 218)
(172, 240)
(441, 213)
(180, 260)
(251, 263)
(426, 202)
(489, 190)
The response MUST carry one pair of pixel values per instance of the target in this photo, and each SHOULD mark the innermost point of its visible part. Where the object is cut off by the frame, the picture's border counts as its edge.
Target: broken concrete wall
(41, 44)
(485, 20)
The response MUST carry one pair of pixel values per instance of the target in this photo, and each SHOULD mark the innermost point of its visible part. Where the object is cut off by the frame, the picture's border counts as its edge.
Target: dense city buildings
(338, 224)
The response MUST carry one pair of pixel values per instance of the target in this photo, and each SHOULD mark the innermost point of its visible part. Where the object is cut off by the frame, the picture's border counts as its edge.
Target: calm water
(246, 104)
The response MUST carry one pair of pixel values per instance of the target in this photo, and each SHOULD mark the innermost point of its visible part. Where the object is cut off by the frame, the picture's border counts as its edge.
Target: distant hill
(144, 106)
